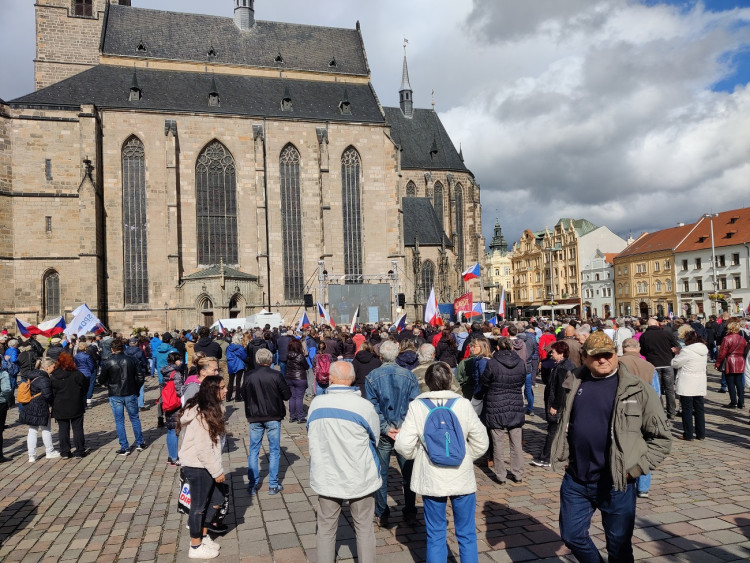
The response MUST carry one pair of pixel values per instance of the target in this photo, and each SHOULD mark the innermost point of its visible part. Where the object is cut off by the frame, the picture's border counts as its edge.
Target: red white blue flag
(354, 320)
(400, 324)
(493, 321)
(501, 307)
(471, 273)
(304, 321)
(323, 313)
(476, 311)
(47, 328)
(431, 310)
(222, 329)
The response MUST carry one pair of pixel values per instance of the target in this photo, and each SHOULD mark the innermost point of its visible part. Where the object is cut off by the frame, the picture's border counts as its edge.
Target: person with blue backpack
(444, 436)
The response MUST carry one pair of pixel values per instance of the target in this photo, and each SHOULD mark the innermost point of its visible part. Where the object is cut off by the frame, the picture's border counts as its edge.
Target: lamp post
(551, 249)
(713, 257)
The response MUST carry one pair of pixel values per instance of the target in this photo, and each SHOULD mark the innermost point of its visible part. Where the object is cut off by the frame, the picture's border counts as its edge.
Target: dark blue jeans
(202, 490)
(385, 447)
(296, 406)
(528, 392)
(577, 504)
(693, 407)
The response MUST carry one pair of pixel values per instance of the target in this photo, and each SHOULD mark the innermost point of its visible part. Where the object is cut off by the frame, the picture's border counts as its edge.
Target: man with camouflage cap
(612, 430)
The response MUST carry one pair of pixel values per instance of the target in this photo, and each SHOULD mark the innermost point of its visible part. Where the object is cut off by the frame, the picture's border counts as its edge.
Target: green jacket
(465, 377)
(640, 436)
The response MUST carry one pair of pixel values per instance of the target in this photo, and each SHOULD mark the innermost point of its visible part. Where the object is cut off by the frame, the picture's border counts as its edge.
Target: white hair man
(342, 433)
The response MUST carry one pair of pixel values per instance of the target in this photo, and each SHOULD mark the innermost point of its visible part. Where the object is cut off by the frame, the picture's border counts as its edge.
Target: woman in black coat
(36, 412)
(554, 396)
(446, 350)
(296, 378)
(364, 362)
(69, 387)
(504, 412)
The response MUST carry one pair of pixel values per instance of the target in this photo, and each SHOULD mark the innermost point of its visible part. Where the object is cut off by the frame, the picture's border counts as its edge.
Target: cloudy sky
(632, 114)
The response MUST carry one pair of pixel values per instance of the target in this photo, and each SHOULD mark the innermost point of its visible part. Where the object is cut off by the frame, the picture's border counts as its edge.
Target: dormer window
(213, 95)
(279, 59)
(286, 101)
(433, 149)
(83, 8)
(141, 47)
(702, 239)
(733, 220)
(332, 62)
(730, 234)
(344, 106)
(135, 89)
(211, 53)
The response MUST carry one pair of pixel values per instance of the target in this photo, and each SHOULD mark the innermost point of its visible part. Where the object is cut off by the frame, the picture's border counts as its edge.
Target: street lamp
(713, 256)
(551, 249)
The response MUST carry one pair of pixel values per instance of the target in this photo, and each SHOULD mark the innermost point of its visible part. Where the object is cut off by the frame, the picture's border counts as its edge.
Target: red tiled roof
(730, 228)
(609, 257)
(666, 239)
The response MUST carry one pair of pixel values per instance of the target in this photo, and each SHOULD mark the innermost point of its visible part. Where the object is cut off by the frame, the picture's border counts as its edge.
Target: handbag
(183, 499)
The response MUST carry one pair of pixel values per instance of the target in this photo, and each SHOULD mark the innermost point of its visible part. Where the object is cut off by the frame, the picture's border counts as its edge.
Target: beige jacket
(197, 449)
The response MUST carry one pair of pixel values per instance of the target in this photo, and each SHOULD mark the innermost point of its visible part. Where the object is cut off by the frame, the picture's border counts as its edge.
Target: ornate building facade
(498, 263)
(180, 178)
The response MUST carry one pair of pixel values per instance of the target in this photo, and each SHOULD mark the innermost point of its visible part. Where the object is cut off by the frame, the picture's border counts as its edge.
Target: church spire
(405, 93)
(498, 240)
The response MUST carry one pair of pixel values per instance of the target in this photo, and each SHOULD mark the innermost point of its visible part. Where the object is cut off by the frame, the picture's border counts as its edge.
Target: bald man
(574, 345)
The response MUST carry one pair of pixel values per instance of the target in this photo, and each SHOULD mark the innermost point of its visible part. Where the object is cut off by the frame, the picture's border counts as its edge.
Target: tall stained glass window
(134, 228)
(437, 201)
(291, 223)
(411, 189)
(428, 279)
(216, 204)
(460, 224)
(51, 284)
(351, 200)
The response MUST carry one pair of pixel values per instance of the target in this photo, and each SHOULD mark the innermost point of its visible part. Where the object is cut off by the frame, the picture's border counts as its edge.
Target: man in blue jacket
(390, 388)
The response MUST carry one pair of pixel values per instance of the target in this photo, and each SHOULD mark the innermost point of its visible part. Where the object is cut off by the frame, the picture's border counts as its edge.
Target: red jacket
(733, 350)
(545, 340)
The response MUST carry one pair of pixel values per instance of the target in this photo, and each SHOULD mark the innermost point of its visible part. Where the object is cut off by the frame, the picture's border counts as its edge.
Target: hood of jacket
(508, 358)
(697, 348)
(169, 368)
(164, 348)
(34, 373)
(364, 356)
(189, 415)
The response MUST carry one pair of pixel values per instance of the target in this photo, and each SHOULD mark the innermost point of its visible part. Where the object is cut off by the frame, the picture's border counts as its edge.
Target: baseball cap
(598, 343)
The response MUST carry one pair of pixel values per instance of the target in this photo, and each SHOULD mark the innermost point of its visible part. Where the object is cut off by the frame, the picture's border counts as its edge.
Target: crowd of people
(611, 390)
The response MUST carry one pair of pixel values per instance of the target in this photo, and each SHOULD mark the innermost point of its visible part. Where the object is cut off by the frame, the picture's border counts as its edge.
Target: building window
(216, 203)
(699, 285)
(134, 224)
(459, 192)
(291, 223)
(51, 283)
(656, 266)
(685, 285)
(735, 259)
(48, 169)
(669, 285)
(657, 286)
(625, 270)
(48, 224)
(722, 283)
(83, 8)
(619, 289)
(737, 284)
(684, 265)
(697, 263)
(351, 199)
(721, 259)
(667, 265)
(437, 201)
(428, 280)
(411, 191)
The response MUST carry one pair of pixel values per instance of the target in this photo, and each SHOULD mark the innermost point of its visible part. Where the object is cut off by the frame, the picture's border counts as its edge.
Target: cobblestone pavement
(105, 507)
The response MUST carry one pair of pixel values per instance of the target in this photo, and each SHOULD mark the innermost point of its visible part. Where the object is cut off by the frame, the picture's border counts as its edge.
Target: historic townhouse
(498, 264)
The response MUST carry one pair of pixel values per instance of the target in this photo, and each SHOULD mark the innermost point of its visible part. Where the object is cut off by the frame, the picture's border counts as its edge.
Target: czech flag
(493, 321)
(354, 320)
(400, 324)
(471, 273)
(304, 322)
(222, 329)
(476, 311)
(431, 311)
(323, 313)
(501, 307)
(48, 328)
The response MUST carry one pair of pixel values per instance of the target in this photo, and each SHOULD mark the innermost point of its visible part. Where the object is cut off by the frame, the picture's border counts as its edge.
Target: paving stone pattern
(105, 507)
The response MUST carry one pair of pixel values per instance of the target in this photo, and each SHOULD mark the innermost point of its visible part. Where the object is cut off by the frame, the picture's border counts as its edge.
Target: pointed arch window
(291, 223)
(460, 224)
(134, 227)
(351, 165)
(216, 205)
(411, 189)
(428, 279)
(437, 201)
(51, 285)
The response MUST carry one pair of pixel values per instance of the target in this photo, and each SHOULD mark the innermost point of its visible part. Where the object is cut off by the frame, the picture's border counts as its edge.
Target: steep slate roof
(189, 37)
(666, 239)
(730, 228)
(582, 226)
(421, 222)
(109, 87)
(215, 272)
(415, 136)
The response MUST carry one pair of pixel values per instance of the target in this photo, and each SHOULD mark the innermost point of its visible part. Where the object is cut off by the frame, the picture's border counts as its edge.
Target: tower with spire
(498, 243)
(405, 94)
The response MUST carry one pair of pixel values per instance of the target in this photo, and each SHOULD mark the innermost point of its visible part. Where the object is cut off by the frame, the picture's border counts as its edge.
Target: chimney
(244, 14)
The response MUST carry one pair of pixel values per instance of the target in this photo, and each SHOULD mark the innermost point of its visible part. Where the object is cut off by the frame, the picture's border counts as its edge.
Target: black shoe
(66, 455)
(302, 421)
(217, 529)
(81, 454)
(729, 406)
(410, 518)
(4, 459)
(513, 478)
(141, 447)
(123, 452)
(722, 391)
(160, 422)
(383, 520)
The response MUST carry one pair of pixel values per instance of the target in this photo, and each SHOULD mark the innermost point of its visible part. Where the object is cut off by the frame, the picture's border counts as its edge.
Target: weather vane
(406, 42)
(433, 101)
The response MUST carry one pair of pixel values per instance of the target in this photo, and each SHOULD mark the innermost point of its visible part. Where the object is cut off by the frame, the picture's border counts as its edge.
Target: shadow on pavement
(15, 517)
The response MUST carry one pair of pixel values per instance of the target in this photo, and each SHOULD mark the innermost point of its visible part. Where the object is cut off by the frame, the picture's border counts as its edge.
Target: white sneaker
(32, 458)
(52, 455)
(88, 402)
(211, 543)
(202, 552)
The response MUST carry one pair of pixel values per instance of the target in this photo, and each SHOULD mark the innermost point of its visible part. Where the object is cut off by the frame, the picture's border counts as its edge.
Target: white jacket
(342, 433)
(428, 479)
(691, 378)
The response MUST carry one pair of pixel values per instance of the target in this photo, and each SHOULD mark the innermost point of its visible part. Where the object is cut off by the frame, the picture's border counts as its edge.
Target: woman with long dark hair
(202, 420)
(446, 349)
(69, 388)
(296, 378)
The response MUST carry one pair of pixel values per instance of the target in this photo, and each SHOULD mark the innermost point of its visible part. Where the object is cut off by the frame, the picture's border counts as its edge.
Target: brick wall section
(6, 209)
(65, 44)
